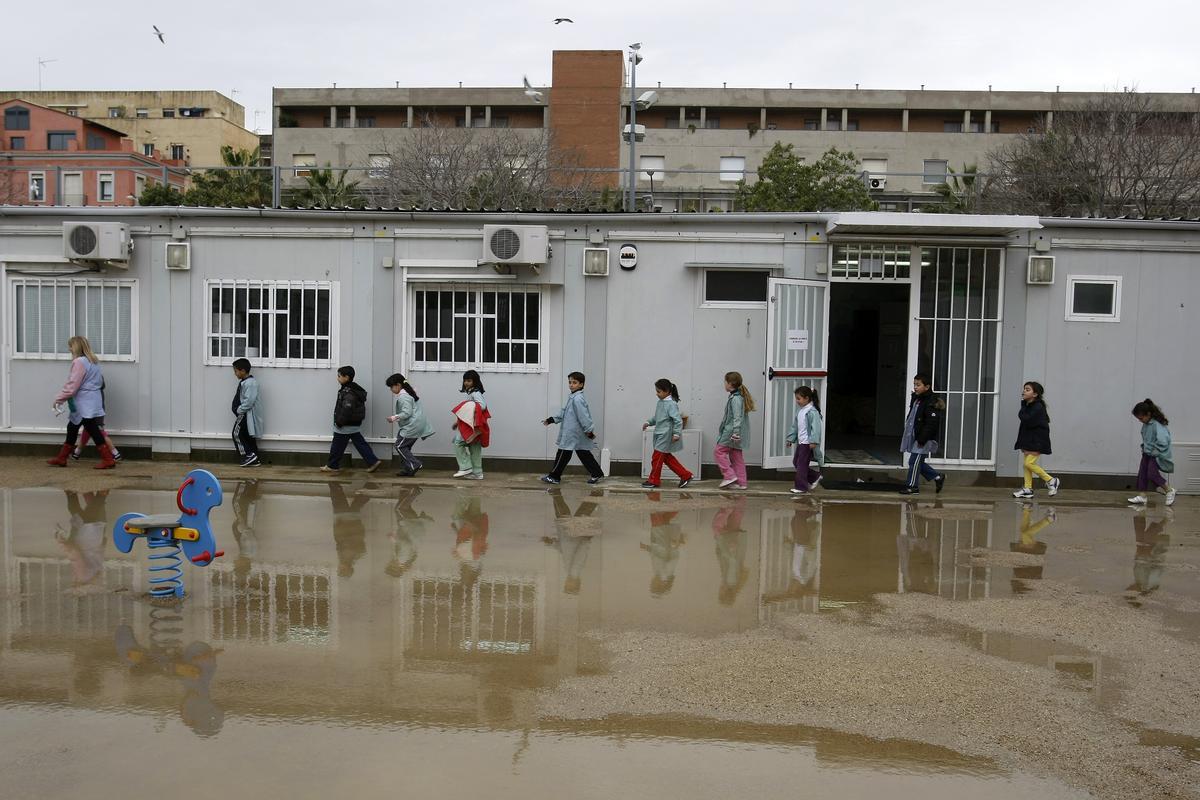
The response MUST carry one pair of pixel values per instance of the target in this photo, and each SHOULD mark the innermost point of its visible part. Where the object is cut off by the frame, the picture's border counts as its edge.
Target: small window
(1094, 298)
(37, 187)
(72, 112)
(17, 142)
(148, 149)
(833, 124)
(59, 140)
(772, 126)
(712, 123)
(652, 168)
(852, 125)
(875, 166)
(933, 171)
(380, 165)
(104, 187)
(733, 168)
(168, 113)
(304, 160)
(365, 122)
(952, 127)
(495, 330)
(142, 113)
(812, 124)
(48, 311)
(499, 122)
(16, 119)
(116, 112)
(95, 142)
(178, 152)
(735, 286)
(273, 323)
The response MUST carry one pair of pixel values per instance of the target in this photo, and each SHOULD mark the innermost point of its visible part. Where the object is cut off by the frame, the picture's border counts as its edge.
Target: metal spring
(166, 577)
(166, 625)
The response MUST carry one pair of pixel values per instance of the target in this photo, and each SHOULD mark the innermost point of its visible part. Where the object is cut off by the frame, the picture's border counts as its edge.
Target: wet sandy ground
(383, 636)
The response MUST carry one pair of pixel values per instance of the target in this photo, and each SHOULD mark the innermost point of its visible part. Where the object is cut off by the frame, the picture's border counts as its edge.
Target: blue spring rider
(166, 534)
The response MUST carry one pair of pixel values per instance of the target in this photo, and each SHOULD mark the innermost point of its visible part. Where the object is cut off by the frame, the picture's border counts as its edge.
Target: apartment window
(142, 113)
(365, 122)
(833, 124)
(933, 171)
(736, 287)
(712, 123)
(139, 186)
(672, 123)
(772, 126)
(652, 167)
(952, 127)
(115, 112)
(851, 124)
(37, 187)
(812, 124)
(875, 166)
(48, 311)
(733, 168)
(59, 140)
(168, 113)
(1094, 298)
(273, 323)
(16, 119)
(17, 142)
(95, 142)
(456, 327)
(71, 112)
(499, 122)
(104, 187)
(304, 160)
(178, 152)
(380, 165)
(148, 149)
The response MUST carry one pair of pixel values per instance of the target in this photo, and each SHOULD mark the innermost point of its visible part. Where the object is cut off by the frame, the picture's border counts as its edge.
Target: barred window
(459, 328)
(871, 262)
(272, 323)
(49, 311)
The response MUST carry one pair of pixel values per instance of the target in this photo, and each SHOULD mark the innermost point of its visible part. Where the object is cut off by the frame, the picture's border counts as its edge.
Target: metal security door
(797, 355)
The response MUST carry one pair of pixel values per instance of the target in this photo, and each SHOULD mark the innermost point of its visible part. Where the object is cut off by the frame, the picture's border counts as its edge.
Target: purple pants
(805, 474)
(1148, 473)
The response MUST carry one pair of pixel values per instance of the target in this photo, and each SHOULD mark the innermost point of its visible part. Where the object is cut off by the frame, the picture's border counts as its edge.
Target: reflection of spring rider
(166, 534)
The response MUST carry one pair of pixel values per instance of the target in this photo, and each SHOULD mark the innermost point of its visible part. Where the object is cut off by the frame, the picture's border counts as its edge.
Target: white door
(797, 337)
(72, 187)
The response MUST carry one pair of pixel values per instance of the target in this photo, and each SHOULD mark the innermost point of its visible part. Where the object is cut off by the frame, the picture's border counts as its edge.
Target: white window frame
(925, 171)
(651, 167)
(732, 175)
(302, 169)
(410, 337)
(37, 176)
(71, 284)
(273, 318)
(111, 177)
(148, 149)
(141, 113)
(732, 304)
(1113, 280)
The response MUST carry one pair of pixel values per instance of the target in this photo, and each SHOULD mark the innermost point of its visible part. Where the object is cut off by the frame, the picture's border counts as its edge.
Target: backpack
(351, 407)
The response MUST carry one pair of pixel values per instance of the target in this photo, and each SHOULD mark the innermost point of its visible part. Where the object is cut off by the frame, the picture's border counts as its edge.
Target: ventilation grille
(505, 244)
(83, 240)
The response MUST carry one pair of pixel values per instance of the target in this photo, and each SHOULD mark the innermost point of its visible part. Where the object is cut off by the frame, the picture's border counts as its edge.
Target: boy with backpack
(349, 411)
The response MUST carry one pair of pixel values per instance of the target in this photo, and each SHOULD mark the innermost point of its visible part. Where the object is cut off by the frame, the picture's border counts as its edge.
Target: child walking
(471, 430)
(1156, 453)
(805, 433)
(1033, 439)
(575, 435)
(733, 437)
(411, 423)
(85, 437)
(921, 430)
(82, 393)
(247, 414)
(668, 436)
(349, 411)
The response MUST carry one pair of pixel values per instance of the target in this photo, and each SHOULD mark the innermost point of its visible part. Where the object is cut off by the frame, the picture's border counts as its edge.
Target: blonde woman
(82, 395)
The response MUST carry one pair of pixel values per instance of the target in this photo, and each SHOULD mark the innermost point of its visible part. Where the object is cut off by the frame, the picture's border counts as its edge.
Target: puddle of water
(342, 622)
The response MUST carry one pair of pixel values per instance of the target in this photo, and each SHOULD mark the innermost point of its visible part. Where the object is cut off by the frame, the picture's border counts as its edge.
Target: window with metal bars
(459, 328)
(871, 262)
(272, 323)
(49, 311)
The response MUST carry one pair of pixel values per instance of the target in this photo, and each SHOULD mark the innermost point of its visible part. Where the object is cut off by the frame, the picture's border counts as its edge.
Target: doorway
(868, 364)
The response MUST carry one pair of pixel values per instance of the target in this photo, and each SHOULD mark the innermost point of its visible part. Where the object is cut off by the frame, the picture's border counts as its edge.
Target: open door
(797, 344)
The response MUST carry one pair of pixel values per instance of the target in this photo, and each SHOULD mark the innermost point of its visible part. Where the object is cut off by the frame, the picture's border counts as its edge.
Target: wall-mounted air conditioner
(877, 182)
(97, 241)
(595, 262)
(515, 244)
(1041, 270)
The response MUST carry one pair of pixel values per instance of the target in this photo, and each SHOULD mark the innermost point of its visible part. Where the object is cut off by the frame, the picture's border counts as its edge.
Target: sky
(243, 49)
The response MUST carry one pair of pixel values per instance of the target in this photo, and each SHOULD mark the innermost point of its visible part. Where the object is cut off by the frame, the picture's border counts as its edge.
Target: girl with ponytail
(733, 437)
(668, 435)
(1156, 453)
(805, 434)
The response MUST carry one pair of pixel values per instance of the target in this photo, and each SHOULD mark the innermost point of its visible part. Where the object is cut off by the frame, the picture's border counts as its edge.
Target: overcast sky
(252, 45)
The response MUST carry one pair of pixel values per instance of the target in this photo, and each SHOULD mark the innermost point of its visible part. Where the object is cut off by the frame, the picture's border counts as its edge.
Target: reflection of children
(470, 526)
(569, 539)
(1156, 453)
(575, 434)
(410, 526)
(731, 542)
(84, 545)
(1033, 439)
(806, 555)
(668, 435)
(245, 502)
(805, 434)
(349, 532)
(666, 538)
(1150, 557)
(1028, 543)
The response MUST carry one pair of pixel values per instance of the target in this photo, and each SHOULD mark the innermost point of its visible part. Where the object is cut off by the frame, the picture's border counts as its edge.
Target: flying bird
(530, 92)
(159, 34)
(560, 20)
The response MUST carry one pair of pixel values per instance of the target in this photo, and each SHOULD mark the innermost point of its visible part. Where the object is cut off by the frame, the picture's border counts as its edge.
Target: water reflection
(573, 534)
(731, 540)
(1029, 544)
(1149, 555)
(83, 541)
(408, 530)
(349, 532)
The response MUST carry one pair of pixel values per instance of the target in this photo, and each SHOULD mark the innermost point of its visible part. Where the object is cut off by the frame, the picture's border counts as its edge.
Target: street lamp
(644, 102)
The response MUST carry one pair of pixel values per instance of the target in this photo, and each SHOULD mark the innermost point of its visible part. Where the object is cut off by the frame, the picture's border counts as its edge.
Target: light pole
(634, 58)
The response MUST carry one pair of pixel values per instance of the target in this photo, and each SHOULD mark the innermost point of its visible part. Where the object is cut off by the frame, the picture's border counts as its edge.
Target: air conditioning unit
(595, 261)
(1041, 270)
(877, 182)
(515, 244)
(179, 256)
(97, 241)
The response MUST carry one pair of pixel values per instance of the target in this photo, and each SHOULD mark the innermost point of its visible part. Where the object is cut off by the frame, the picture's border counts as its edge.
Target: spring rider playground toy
(166, 534)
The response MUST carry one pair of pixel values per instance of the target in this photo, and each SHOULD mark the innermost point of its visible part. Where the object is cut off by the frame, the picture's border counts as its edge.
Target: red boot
(106, 458)
(60, 460)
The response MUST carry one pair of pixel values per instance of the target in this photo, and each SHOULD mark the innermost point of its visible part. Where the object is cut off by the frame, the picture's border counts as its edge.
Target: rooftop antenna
(42, 62)
(856, 87)
(789, 84)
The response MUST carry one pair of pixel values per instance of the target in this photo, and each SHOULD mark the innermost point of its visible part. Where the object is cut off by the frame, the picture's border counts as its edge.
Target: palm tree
(248, 185)
(323, 189)
(961, 192)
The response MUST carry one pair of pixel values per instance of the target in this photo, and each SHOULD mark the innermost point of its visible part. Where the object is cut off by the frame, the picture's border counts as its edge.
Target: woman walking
(82, 393)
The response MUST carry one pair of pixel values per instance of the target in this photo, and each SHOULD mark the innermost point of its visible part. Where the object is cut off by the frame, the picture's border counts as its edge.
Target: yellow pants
(1030, 529)
(1033, 468)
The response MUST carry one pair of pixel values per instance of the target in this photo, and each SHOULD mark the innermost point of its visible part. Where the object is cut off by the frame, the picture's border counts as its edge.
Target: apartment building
(699, 142)
(186, 126)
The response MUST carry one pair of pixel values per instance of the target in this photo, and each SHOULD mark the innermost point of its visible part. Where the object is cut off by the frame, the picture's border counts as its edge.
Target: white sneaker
(1023, 494)
(1052, 486)
(799, 491)
(462, 473)
(1171, 496)
(729, 482)
(475, 477)
(1137, 500)
(817, 481)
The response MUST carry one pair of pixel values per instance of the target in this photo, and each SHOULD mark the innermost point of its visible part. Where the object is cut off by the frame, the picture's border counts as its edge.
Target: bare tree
(441, 167)
(1119, 154)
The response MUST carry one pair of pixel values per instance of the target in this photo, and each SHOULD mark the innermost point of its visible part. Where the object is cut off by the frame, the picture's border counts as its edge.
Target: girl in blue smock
(575, 434)
(668, 436)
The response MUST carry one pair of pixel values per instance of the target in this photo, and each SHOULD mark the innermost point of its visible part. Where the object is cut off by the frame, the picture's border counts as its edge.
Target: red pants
(656, 464)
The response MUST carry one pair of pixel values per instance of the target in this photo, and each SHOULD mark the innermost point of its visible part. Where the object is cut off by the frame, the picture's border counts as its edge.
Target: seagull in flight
(159, 34)
(530, 92)
(560, 20)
